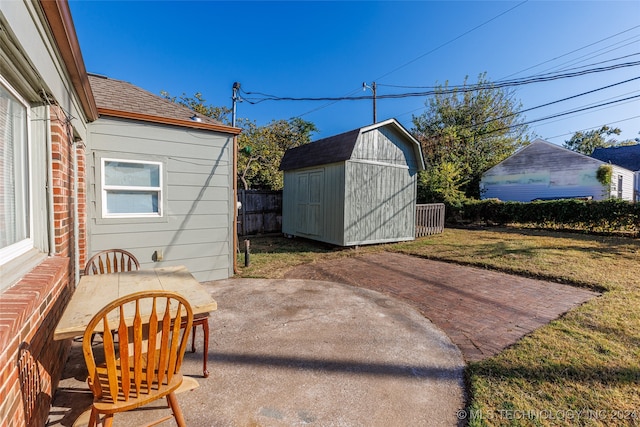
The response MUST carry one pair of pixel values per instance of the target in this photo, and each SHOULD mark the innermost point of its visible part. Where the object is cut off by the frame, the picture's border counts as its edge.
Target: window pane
(14, 216)
(131, 174)
(132, 202)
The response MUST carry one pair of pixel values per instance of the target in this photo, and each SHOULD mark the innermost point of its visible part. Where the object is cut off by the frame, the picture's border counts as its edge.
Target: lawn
(582, 369)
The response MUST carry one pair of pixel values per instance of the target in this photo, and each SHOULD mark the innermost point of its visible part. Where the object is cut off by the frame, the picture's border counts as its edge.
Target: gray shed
(160, 184)
(355, 188)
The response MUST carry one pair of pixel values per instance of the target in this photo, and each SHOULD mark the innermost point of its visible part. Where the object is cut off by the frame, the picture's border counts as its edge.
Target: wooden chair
(111, 261)
(145, 363)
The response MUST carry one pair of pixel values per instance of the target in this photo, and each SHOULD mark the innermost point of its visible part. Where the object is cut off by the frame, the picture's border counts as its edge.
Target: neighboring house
(56, 140)
(355, 188)
(543, 170)
(627, 157)
(160, 184)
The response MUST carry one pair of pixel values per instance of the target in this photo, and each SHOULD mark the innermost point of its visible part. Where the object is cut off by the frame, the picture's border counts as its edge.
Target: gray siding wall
(627, 183)
(380, 203)
(196, 229)
(328, 224)
(385, 146)
(543, 170)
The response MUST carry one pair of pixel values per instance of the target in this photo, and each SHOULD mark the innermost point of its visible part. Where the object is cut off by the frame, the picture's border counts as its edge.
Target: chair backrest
(150, 347)
(111, 261)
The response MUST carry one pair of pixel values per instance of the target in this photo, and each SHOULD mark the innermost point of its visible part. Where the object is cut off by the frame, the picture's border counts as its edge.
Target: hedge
(606, 216)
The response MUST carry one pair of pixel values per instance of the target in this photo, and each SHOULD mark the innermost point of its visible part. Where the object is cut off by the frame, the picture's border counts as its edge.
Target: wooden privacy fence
(261, 212)
(429, 219)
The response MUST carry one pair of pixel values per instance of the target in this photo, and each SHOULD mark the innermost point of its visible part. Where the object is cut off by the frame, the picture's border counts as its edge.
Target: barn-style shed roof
(627, 157)
(339, 148)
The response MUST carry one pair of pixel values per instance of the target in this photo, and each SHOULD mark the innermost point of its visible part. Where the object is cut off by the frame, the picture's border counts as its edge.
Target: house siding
(196, 229)
(544, 170)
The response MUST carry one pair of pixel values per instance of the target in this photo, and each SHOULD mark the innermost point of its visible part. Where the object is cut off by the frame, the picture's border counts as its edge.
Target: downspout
(76, 213)
(235, 204)
(50, 217)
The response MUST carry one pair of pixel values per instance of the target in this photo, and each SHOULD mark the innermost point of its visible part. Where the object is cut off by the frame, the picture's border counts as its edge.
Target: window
(619, 186)
(15, 215)
(131, 189)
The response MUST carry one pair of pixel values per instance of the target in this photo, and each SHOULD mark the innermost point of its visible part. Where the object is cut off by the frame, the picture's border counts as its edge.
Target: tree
(198, 104)
(586, 142)
(473, 128)
(260, 148)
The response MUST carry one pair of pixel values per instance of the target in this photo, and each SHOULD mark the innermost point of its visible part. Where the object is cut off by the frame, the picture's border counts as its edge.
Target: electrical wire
(592, 128)
(574, 51)
(461, 89)
(553, 116)
(451, 41)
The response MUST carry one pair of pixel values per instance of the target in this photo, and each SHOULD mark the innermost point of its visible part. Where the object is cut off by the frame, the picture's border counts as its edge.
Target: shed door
(309, 203)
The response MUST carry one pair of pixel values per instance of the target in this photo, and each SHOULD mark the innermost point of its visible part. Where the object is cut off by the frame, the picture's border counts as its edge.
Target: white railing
(429, 219)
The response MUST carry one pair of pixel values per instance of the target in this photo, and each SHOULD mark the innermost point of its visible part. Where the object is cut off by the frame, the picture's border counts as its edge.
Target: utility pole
(234, 99)
(373, 88)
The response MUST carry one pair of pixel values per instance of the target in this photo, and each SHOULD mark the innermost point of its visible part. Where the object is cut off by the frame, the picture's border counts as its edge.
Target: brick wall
(31, 363)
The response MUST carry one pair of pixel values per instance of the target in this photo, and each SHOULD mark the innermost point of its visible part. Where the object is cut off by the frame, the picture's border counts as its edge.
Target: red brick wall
(31, 362)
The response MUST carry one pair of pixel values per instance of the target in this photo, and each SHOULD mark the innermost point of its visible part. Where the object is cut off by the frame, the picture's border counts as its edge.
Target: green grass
(581, 369)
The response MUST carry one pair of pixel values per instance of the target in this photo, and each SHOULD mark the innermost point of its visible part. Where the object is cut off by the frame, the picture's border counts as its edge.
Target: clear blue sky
(329, 48)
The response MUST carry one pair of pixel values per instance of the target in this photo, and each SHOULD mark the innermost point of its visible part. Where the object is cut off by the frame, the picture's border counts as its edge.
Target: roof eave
(168, 121)
(59, 17)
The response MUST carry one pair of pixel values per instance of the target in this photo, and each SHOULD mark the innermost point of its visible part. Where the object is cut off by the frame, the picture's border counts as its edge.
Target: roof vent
(195, 118)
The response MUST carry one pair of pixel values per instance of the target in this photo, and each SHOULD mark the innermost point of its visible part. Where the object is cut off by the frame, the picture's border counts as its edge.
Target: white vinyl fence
(429, 219)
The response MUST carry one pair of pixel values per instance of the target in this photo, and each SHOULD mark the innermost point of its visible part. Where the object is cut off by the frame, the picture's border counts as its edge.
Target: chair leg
(175, 408)
(205, 328)
(193, 338)
(108, 420)
(93, 419)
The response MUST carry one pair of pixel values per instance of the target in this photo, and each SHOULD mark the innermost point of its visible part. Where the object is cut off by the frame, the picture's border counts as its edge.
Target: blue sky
(329, 48)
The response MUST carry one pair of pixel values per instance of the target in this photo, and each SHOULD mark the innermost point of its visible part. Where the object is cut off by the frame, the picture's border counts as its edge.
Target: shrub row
(606, 216)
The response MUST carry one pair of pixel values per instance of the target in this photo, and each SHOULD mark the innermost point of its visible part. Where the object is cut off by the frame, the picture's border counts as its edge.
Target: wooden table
(96, 291)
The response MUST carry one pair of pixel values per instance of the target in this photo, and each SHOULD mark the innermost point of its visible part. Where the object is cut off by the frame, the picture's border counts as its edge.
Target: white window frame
(21, 247)
(106, 188)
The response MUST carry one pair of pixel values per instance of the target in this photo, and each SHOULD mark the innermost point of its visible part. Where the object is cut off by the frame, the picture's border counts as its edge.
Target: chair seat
(106, 405)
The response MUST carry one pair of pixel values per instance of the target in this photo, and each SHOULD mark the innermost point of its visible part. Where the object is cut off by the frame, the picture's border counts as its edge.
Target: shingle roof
(119, 95)
(337, 148)
(627, 157)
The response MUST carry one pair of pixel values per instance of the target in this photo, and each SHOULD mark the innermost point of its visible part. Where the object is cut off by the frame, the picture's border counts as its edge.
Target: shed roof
(338, 148)
(118, 98)
(627, 156)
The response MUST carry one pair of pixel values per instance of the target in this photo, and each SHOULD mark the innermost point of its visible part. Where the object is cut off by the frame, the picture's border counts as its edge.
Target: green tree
(441, 183)
(586, 142)
(472, 127)
(260, 148)
(198, 104)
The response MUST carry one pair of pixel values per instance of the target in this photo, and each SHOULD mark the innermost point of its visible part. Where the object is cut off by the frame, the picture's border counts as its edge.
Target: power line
(451, 41)
(553, 116)
(594, 127)
(574, 51)
(415, 59)
(490, 85)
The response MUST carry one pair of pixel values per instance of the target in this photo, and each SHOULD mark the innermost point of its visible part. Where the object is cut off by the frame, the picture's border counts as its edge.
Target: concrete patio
(303, 352)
